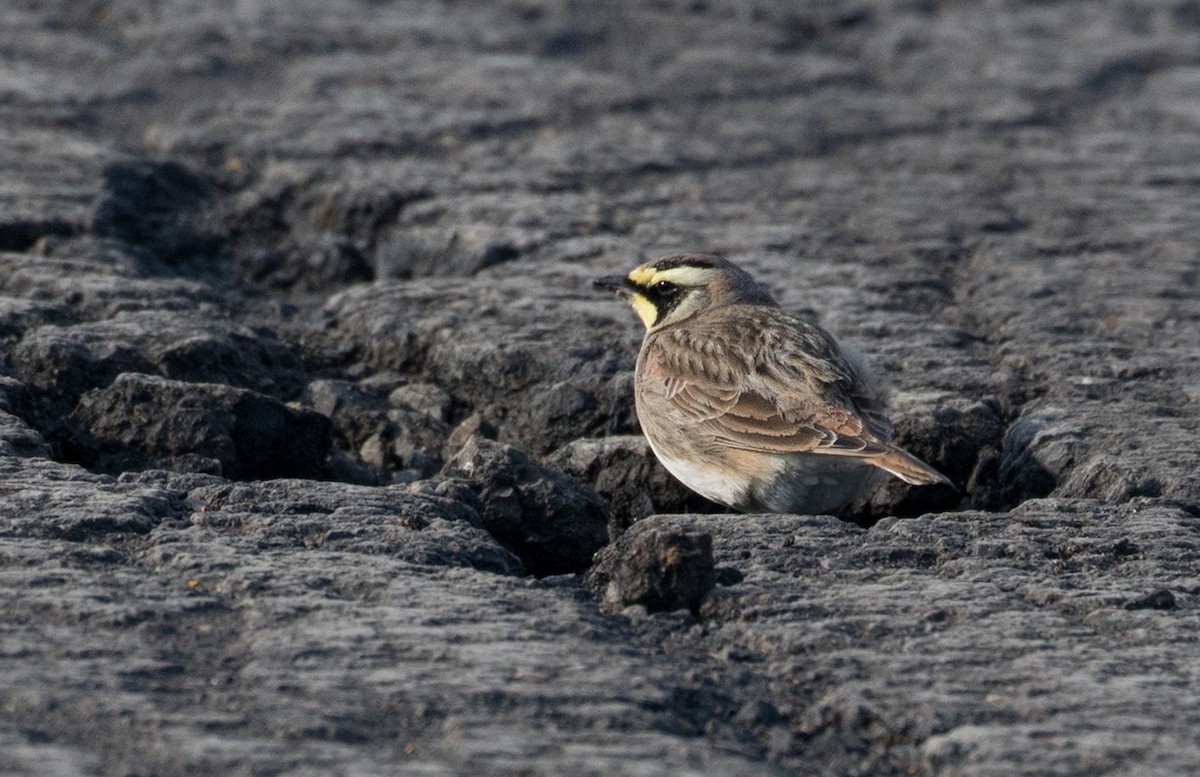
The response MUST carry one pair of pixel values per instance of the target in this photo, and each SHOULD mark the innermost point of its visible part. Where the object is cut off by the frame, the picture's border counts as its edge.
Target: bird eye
(663, 287)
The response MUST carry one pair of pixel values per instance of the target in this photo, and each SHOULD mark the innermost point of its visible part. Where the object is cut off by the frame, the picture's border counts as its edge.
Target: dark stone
(15, 396)
(758, 712)
(1039, 451)
(658, 569)
(552, 522)
(395, 442)
(67, 361)
(624, 471)
(310, 266)
(18, 438)
(310, 235)
(1162, 599)
(18, 316)
(23, 235)
(728, 576)
(543, 376)
(425, 398)
(142, 421)
(145, 204)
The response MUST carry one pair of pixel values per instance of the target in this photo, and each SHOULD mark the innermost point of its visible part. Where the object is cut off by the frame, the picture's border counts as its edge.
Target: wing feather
(790, 391)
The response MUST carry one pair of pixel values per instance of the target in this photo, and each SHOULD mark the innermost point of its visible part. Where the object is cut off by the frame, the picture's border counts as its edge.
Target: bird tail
(909, 468)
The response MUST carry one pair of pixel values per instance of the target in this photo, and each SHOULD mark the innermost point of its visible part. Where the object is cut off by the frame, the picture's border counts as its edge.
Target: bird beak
(617, 283)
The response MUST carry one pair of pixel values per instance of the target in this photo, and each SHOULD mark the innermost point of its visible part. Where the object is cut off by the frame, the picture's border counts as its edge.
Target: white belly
(800, 483)
(716, 484)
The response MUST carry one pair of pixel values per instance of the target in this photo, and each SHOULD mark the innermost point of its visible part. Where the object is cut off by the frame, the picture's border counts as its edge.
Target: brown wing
(783, 388)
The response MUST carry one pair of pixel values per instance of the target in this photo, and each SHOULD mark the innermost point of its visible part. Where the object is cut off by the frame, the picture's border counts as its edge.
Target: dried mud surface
(314, 435)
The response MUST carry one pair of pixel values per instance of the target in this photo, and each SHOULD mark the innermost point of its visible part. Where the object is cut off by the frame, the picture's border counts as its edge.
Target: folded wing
(791, 394)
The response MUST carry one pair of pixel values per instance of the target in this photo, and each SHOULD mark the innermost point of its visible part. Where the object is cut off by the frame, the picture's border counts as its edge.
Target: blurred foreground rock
(311, 423)
(657, 570)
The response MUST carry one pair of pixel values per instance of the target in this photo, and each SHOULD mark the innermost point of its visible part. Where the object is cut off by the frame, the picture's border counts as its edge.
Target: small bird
(748, 406)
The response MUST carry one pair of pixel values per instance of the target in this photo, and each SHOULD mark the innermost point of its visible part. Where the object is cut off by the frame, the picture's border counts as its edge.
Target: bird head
(671, 289)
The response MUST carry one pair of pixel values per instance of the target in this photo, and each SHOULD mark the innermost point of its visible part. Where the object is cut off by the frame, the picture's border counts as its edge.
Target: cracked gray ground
(389, 213)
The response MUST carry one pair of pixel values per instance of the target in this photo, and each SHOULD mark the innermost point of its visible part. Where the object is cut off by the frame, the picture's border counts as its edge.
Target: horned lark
(748, 406)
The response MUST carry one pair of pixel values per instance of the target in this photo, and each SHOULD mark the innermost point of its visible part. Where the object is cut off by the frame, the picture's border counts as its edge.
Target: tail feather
(908, 468)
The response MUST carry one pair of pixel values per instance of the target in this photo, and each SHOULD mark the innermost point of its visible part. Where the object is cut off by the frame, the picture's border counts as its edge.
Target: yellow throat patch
(644, 308)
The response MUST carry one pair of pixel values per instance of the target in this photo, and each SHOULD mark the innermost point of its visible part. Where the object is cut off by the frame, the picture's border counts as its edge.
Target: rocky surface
(658, 571)
(310, 421)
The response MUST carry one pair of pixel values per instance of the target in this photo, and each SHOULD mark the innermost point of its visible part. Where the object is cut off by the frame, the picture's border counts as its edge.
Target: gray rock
(623, 470)
(545, 370)
(87, 279)
(392, 441)
(18, 438)
(552, 522)
(141, 421)
(829, 610)
(426, 398)
(421, 526)
(47, 500)
(370, 596)
(458, 252)
(658, 570)
(146, 204)
(288, 230)
(993, 202)
(67, 361)
(19, 314)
